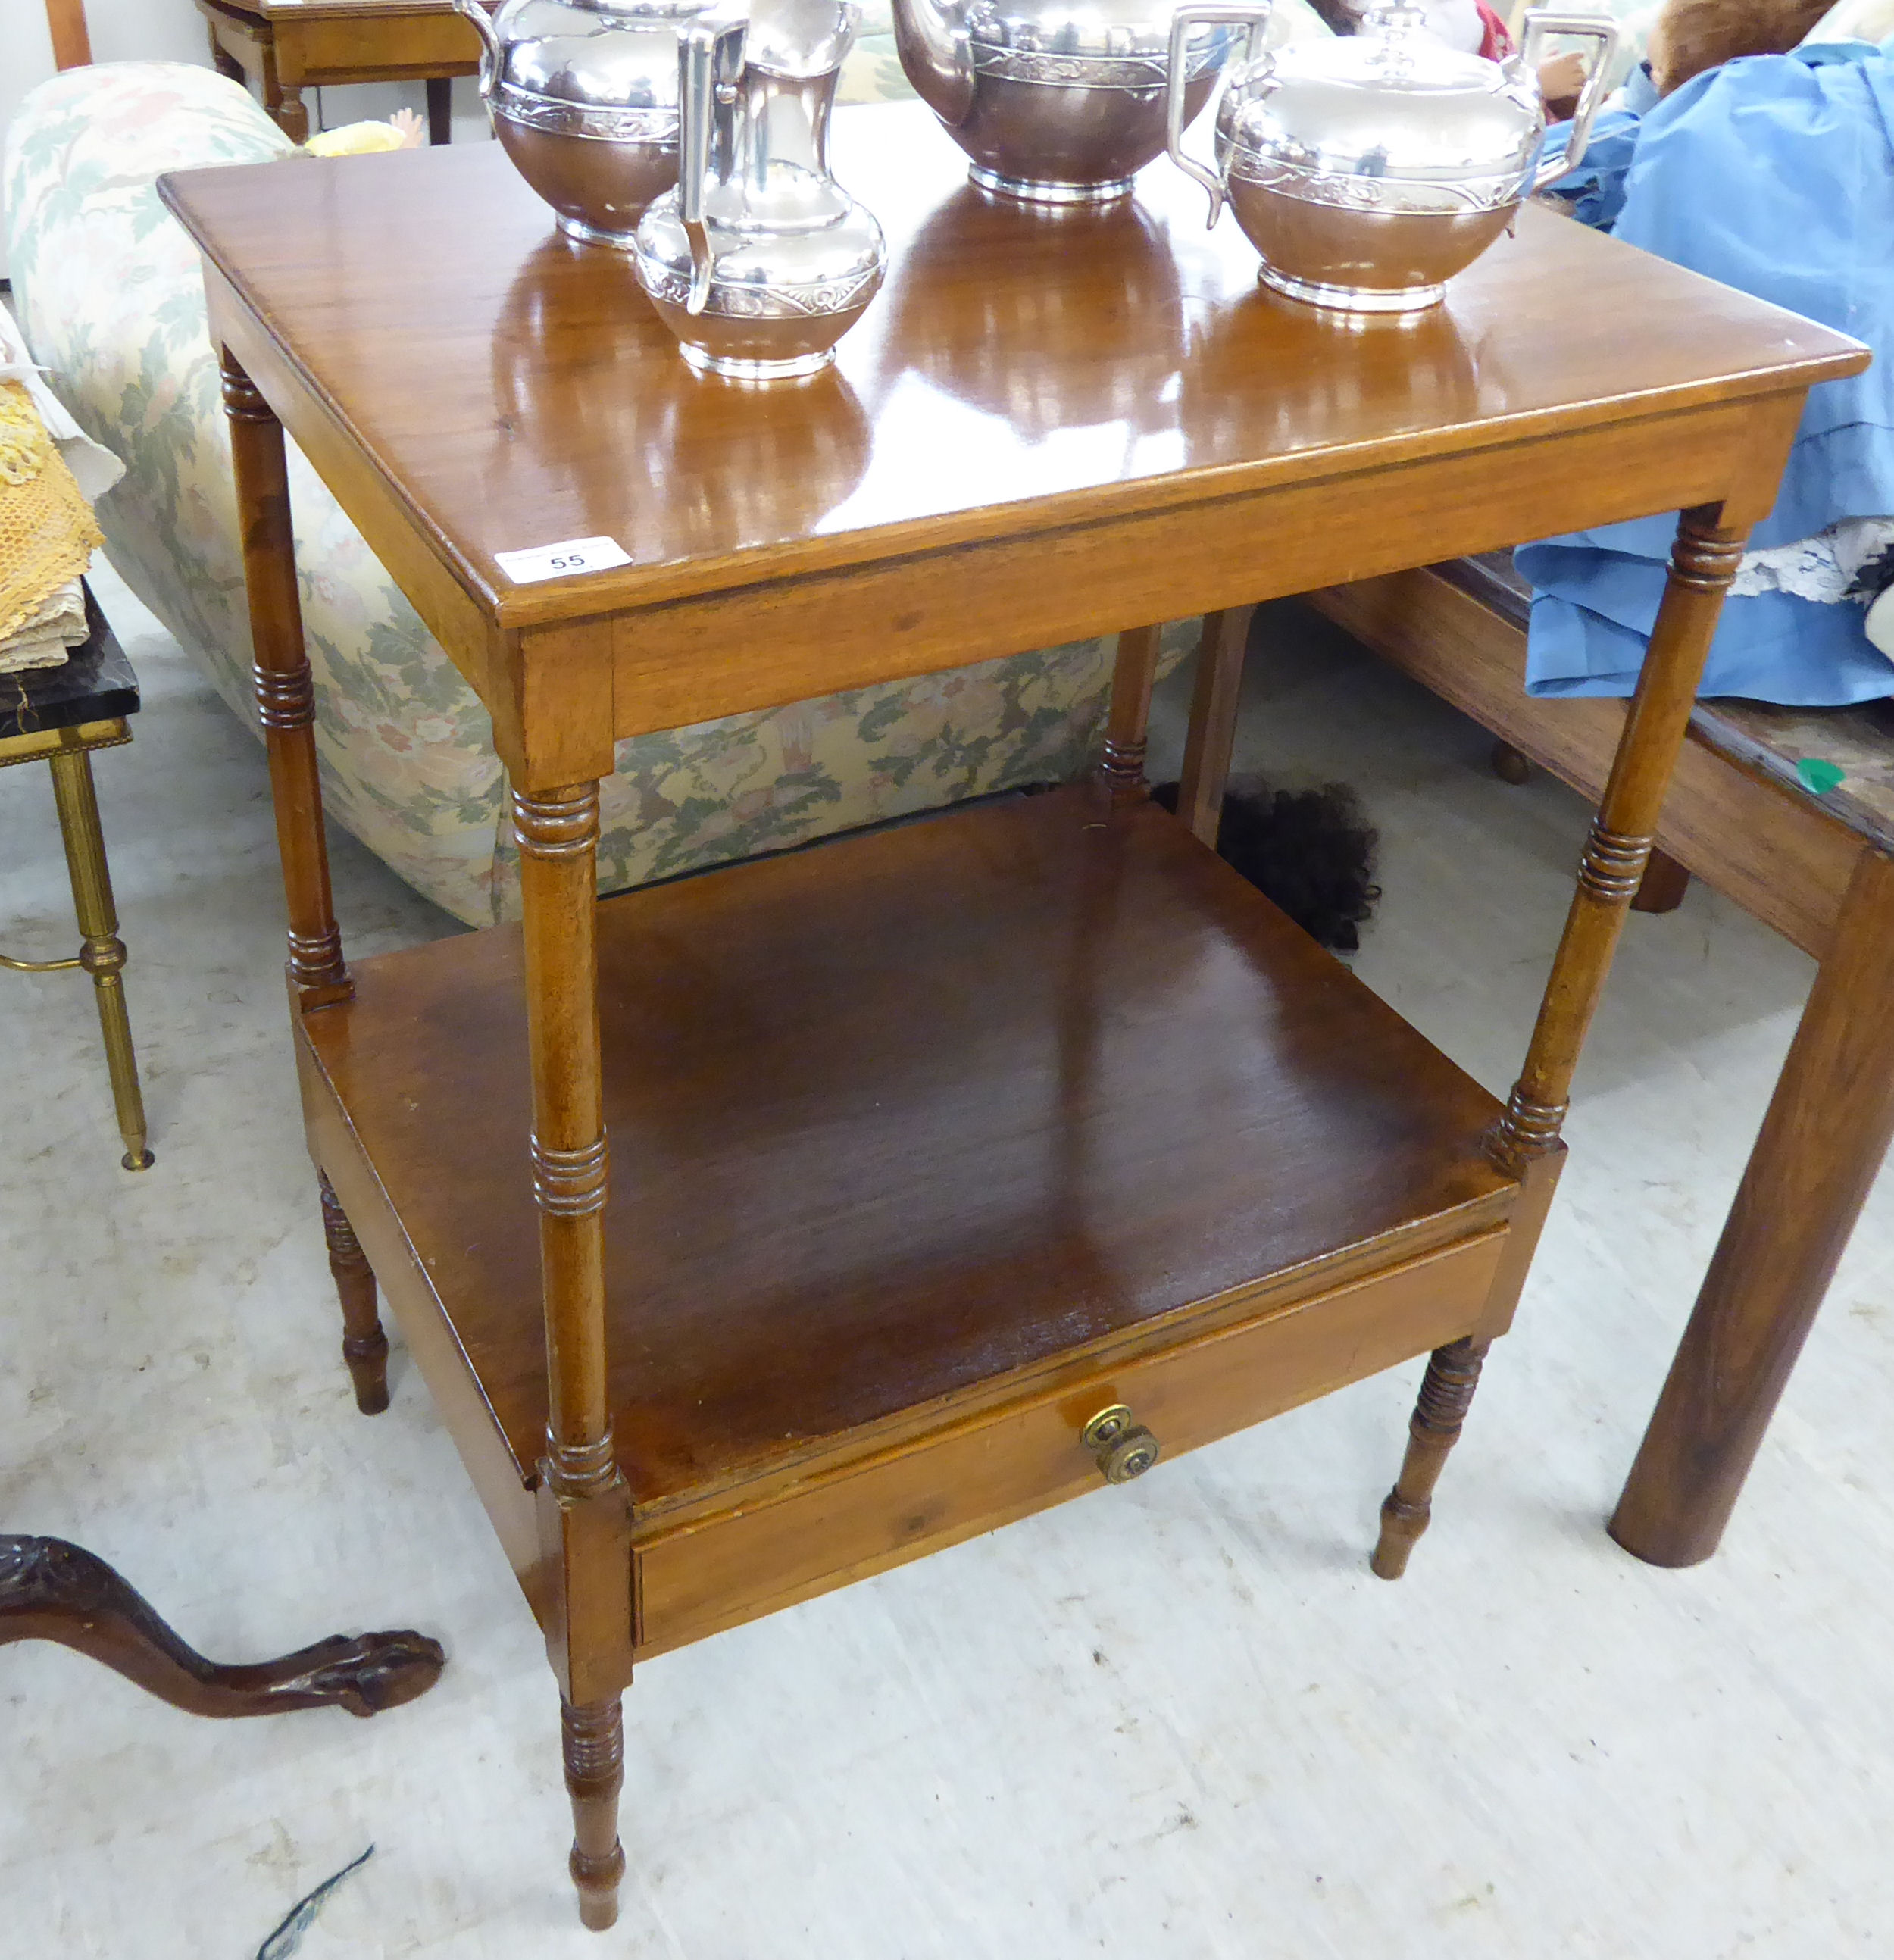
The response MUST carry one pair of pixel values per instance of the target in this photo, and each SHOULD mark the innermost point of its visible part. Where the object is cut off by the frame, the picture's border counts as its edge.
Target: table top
(1016, 373)
(95, 683)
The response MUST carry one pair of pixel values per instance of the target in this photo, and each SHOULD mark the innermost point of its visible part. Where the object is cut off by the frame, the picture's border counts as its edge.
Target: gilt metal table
(951, 1164)
(60, 716)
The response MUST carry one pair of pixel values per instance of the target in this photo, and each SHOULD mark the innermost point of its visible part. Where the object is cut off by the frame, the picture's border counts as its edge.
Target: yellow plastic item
(355, 139)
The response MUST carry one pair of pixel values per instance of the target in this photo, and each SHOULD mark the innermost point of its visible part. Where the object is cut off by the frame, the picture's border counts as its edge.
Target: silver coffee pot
(1368, 170)
(583, 98)
(758, 261)
(1056, 101)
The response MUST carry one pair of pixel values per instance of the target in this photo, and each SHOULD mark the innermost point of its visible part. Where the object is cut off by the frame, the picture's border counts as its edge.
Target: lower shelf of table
(923, 1143)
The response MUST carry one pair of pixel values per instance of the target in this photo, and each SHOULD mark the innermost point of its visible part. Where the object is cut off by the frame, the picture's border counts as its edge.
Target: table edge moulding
(963, 1165)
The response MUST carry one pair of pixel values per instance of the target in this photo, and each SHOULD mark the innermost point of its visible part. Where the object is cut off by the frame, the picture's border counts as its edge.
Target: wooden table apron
(567, 667)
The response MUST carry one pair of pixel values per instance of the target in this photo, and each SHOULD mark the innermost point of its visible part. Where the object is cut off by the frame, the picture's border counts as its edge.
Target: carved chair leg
(50, 1590)
(1453, 1374)
(363, 1345)
(594, 1733)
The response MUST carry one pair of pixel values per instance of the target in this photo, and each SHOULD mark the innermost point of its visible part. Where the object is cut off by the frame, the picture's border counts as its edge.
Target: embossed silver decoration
(759, 261)
(1056, 102)
(583, 94)
(1367, 171)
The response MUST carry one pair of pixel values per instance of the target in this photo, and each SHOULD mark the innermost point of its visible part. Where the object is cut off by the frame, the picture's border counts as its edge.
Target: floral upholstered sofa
(109, 293)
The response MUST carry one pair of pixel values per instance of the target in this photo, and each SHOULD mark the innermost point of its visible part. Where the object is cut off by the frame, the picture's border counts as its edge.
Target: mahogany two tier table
(958, 1167)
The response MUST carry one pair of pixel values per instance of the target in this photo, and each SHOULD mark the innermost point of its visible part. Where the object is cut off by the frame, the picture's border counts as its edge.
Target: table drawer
(973, 1475)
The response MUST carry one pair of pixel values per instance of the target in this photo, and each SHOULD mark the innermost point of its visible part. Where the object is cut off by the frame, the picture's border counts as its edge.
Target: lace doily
(1821, 568)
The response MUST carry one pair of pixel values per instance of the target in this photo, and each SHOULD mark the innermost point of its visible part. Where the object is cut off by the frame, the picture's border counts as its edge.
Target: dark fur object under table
(1310, 852)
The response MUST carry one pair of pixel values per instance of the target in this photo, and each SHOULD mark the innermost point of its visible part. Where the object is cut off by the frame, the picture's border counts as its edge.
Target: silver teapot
(758, 261)
(1368, 170)
(583, 98)
(1056, 101)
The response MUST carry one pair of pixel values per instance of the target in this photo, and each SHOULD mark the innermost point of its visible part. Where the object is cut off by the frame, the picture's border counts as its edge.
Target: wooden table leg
(1212, 735)
(1662, 886)
(1828, 1126)
(286, 705)
(585, 1514)
(440, 109)
(1526, 1138)
(50, 1590)
(1127, 722)
(103, 953)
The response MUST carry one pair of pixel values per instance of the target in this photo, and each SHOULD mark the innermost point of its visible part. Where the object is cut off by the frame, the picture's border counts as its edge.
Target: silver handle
(1255, 16)
(490, 50)
(1599, 28)
(710, 58)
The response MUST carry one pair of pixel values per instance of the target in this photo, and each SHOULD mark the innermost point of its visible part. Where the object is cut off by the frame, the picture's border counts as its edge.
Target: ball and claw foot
(1453, 1374)
(51, 1590)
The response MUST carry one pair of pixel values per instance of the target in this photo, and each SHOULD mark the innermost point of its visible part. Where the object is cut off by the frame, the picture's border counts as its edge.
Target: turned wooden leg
(50, 1590)
(1509, 764)
(284, 691)
(1662, 887)
(584, 1510)
(363, 1345)
(1828, 1126)
(594, 1740)
(1212, 736)
(102, 954)
(1121, 768)
(1525, 1141)
(1446, 1390)
(283, 98)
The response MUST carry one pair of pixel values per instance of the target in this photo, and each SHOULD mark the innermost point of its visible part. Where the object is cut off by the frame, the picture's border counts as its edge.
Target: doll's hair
(1693, 36)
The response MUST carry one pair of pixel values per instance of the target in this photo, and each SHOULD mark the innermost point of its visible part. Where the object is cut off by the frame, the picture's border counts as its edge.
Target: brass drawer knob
(1124, 1447)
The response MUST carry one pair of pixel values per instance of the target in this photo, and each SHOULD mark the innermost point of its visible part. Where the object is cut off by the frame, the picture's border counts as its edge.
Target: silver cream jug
(1367, 170)
(759, 261)
(582, 95)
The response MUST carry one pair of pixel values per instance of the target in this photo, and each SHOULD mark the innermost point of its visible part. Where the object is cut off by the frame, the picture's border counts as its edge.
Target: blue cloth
(1775, 175)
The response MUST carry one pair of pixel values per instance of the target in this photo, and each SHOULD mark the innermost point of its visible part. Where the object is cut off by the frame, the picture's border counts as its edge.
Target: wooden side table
(287, 46)
(955, 1169)
(60, 716)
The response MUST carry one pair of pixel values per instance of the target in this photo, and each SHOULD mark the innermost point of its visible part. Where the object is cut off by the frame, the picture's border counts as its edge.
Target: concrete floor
(1175, 1718)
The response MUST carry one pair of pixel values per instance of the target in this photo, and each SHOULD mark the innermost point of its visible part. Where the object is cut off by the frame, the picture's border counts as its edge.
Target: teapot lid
(1391, 102)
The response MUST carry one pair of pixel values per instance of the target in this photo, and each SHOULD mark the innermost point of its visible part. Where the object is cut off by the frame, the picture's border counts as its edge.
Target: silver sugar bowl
(1368, 170)
(583, 98)
(1055, 101)
(759, 261)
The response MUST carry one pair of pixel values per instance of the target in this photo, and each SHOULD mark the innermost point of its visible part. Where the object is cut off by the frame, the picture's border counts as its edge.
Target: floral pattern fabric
(111, 300)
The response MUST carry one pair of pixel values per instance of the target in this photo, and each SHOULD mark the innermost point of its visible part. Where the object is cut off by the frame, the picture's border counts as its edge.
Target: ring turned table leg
(285, 697)
(364, 1347)
(1828, 1126)
(1526, 1140)
(1121, 768)
(585, 1514)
